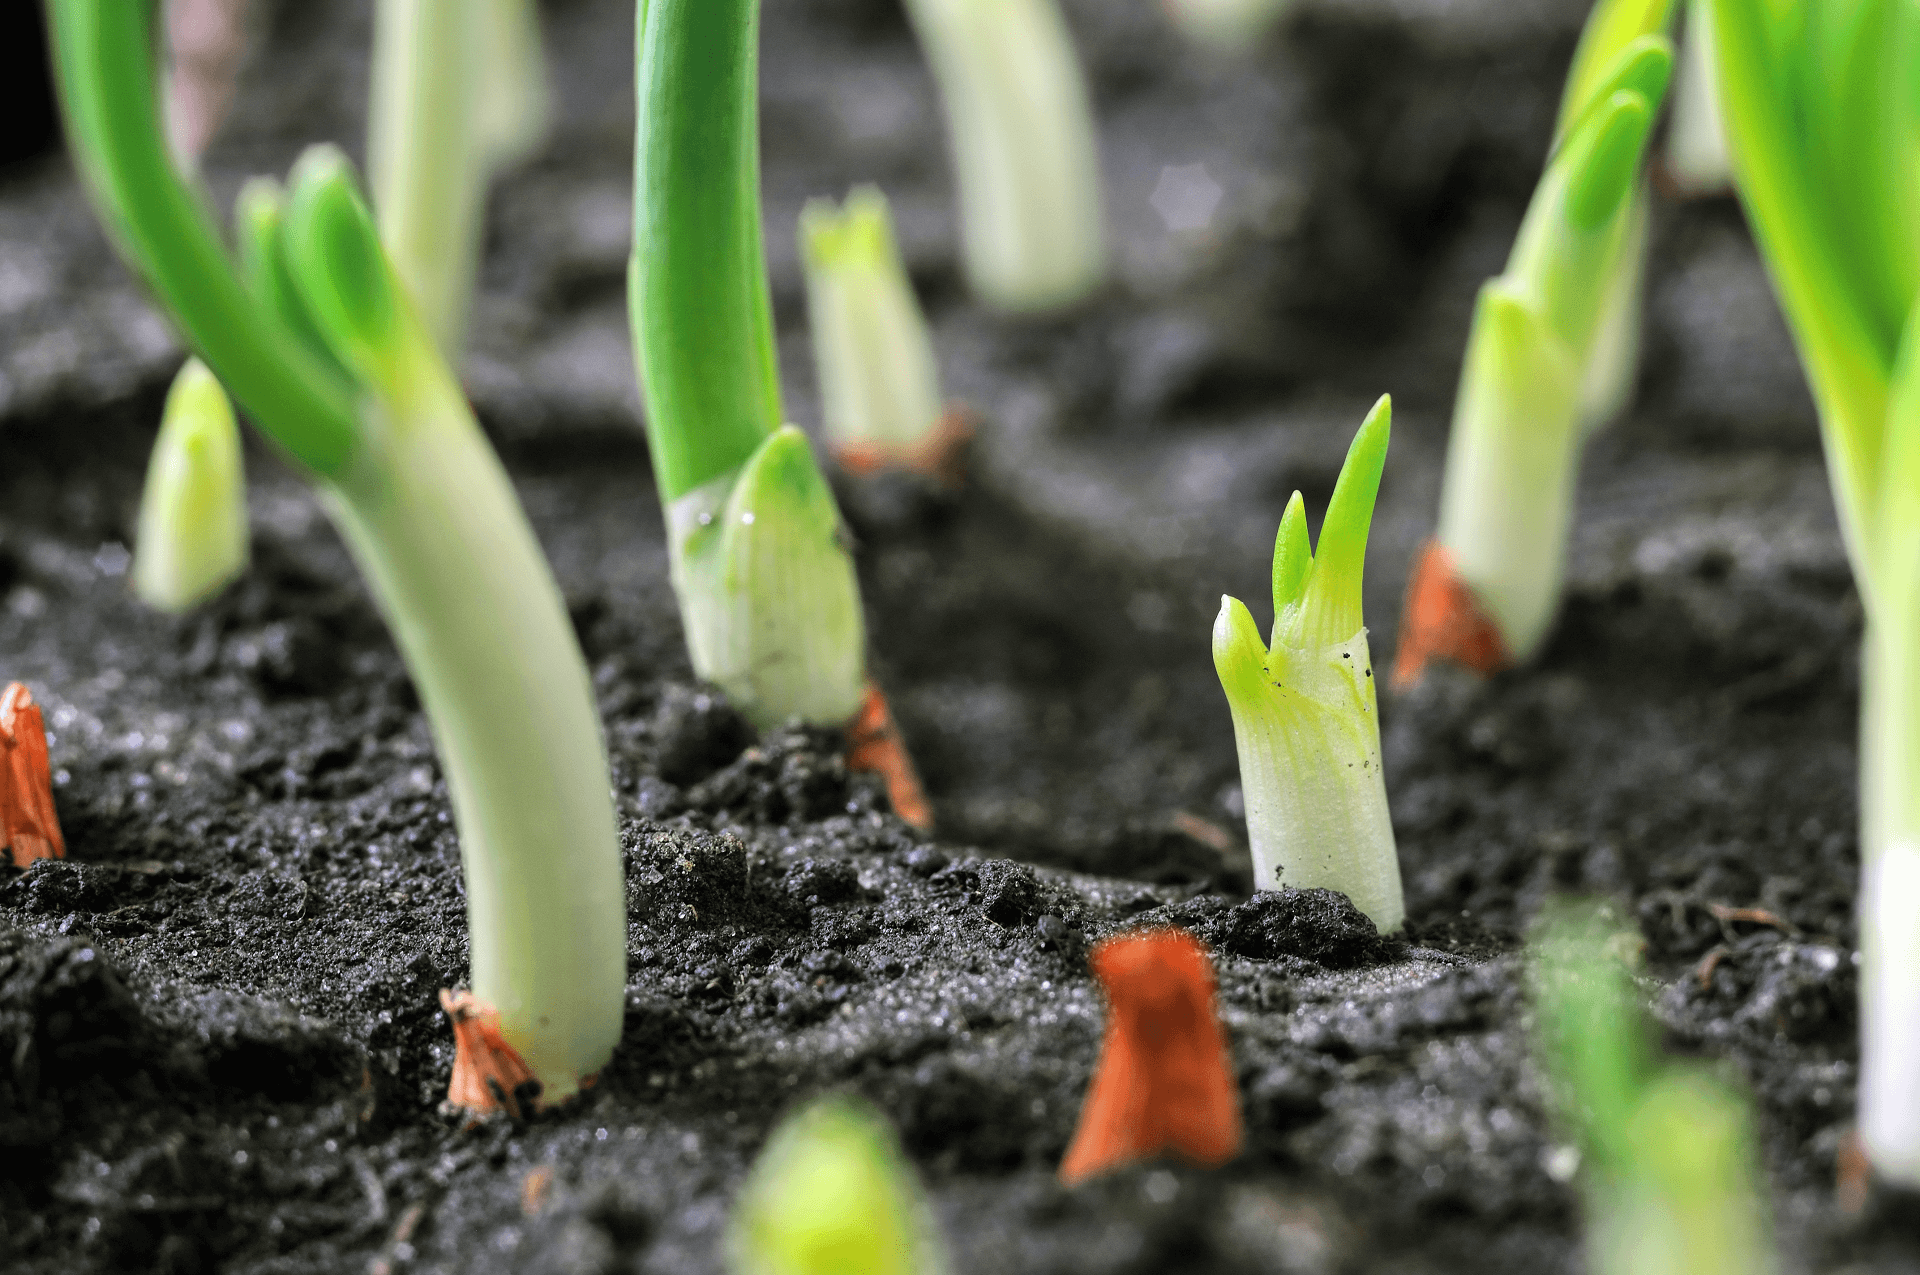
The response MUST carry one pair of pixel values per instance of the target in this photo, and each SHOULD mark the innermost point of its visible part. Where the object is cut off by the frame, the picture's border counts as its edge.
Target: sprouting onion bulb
(1025, 152)
(759, 561)
(767, 591)
(832, 1195)
(323, 347)
(1669, 1170)
(1305, 717)
(193, 535)
(459, 91)
(879, 382)
(1507, 496)
(1822, 123)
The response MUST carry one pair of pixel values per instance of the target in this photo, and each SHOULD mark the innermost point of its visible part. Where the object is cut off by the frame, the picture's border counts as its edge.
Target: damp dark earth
(220, 1048)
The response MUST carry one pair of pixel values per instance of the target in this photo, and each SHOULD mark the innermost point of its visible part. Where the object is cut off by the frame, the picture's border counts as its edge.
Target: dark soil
(219, 1046)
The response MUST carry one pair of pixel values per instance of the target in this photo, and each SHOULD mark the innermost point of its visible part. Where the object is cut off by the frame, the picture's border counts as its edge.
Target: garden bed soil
(219, 1044)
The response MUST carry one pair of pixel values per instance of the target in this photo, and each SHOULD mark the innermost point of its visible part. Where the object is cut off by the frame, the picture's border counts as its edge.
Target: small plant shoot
(1552, 351)
(1667, 1159)
(324, 348)
(1025, 151)
(459, 92)
(831, 1194)
(1228, 26)
(759, 564)
(879, 380)
(1304, 707)
(193, 537)
(1697, 159)
(1822, 118)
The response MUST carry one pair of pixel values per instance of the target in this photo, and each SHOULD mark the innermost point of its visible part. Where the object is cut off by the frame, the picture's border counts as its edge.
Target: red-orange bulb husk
(29, 828)
(488, 1073)
(874, 746)
(1443, 620)
(1165, 1077)
(940, 456)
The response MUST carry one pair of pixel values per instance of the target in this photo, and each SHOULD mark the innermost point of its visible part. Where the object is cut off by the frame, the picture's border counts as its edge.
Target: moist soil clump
(220, 1048)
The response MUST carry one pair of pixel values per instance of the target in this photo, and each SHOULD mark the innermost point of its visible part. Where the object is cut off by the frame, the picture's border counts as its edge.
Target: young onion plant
(1305, 716)
(1552, 351)
(1823, 122)
(192, 538)
(459, 91)
(831, 1194)
(879, 380)
(758, 556)
(1025, 152)
(1667, 1158)
(323, 347)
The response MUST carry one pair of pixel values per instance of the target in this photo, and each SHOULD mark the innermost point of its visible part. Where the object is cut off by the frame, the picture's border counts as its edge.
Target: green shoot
(1305, 718)
(832, 1195)
(1822, 118)
(766, 586)
(457, 94)
(879, 382)
(1229, 26)
(1553, 338)
(1669, 1165)
(193, 513)
(1697, 158)
(1025, 153)
(429, 515)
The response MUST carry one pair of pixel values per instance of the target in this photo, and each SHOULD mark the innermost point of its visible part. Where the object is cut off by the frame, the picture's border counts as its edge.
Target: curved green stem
(103, 54)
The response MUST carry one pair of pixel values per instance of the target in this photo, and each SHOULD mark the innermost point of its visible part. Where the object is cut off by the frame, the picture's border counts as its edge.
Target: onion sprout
(1305, 715)
(192, 537)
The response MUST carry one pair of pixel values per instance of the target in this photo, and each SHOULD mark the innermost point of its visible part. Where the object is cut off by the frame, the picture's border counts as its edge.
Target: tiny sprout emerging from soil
(1164, 1081)
(1552, 351)
(459, 91)
(832, 1195)
(29, 828)
(1667, 1154)
(1231, 26)
(1305, 712)
(879, 381)
(323, 347)
(193, 513)
(1025, 152)
(1821, 118)
(757, 549)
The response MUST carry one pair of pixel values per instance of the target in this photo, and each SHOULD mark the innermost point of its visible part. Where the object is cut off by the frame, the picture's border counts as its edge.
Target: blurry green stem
(457, 90)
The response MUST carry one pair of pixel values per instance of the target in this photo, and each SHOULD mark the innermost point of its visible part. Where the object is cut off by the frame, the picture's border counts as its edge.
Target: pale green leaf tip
(1239, 656)
(782, 481)
(832, 1195)
(192, 536)
(1292, 556)
(858, 232)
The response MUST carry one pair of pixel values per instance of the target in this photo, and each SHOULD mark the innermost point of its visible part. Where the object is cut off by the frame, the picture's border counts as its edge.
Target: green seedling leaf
(103, 55)
(1612, 28)
(341, 272)
(192, 536)
(832, 1195)
(1607, 170)
(1292, 560)
(1331, 611)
